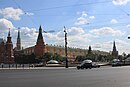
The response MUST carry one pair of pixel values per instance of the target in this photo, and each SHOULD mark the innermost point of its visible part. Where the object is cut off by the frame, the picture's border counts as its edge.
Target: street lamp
(66, 59)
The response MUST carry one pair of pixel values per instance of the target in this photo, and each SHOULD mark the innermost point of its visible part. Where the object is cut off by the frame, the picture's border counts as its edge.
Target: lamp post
(66, 59)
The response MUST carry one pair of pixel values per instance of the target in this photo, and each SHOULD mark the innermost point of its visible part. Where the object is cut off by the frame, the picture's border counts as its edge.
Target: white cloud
(81, 21)
(12, 13)
(84, 19)
(5, 25)
(76, 37)
(71, 32)
(128, 25)
(120, 2)
(75, 31)
(114, 21)
(92, 17)
(97, 45)
(107, 31)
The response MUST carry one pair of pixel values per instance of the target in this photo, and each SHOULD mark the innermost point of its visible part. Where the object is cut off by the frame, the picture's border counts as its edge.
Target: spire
(9, 37)
(18, 44)
(89, 50)
(18, 33)
(114, 52)
(114, 46)
(40, 37)
(9, 33)
(40, 33)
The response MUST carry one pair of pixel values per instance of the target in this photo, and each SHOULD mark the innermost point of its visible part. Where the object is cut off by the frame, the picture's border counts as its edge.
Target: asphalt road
(71, 77)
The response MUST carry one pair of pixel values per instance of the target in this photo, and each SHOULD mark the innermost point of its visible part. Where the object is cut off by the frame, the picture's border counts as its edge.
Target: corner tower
(9, 50)
(40, 45)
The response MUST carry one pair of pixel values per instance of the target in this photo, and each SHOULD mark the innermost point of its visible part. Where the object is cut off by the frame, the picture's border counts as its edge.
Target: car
(116, 62)
(85, 64)
(95, 65)
(52, 62)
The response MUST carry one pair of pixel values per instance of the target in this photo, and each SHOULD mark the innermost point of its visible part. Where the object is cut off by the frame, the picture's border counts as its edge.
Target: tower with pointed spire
(114, 52)
(9, 50)
(18, 44)
(39, 49)
(89, 50)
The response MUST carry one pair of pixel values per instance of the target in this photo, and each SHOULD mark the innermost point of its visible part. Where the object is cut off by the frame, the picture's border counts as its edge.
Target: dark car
(116, 62)
(85, 65)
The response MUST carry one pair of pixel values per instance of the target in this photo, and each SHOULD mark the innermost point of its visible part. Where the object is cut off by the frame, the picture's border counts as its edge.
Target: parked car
(95, 65)
(116, 62)
(85, 64)
(52, 62)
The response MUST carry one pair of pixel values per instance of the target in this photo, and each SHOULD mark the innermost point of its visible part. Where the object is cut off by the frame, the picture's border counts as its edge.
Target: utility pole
(66, 59)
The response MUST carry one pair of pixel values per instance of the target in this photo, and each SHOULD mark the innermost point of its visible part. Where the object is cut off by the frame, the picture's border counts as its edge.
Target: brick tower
(9, 50)
(40, 45)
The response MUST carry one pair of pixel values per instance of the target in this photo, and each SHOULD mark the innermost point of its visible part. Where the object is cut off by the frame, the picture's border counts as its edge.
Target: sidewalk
(35, 68)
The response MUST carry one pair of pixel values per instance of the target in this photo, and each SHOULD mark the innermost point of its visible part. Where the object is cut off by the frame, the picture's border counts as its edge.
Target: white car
(52, 62)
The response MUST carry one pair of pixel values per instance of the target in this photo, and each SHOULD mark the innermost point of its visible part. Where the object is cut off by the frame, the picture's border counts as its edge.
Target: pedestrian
(2, 66)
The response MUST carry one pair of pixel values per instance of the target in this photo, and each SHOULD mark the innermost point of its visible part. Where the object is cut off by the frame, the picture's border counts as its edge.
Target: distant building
(114, 51)
(6, 50)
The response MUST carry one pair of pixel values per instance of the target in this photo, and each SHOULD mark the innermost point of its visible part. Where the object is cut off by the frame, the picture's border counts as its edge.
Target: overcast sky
(88, 22)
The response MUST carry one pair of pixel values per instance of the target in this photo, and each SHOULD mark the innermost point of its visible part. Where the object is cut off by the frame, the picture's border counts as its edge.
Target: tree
(80, 58)
(50, 56)
(25, 59)
(57, 57)
(47, 56)
(128, 55)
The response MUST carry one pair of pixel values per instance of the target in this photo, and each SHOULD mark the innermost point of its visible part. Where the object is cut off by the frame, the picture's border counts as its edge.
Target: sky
(95, 23)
